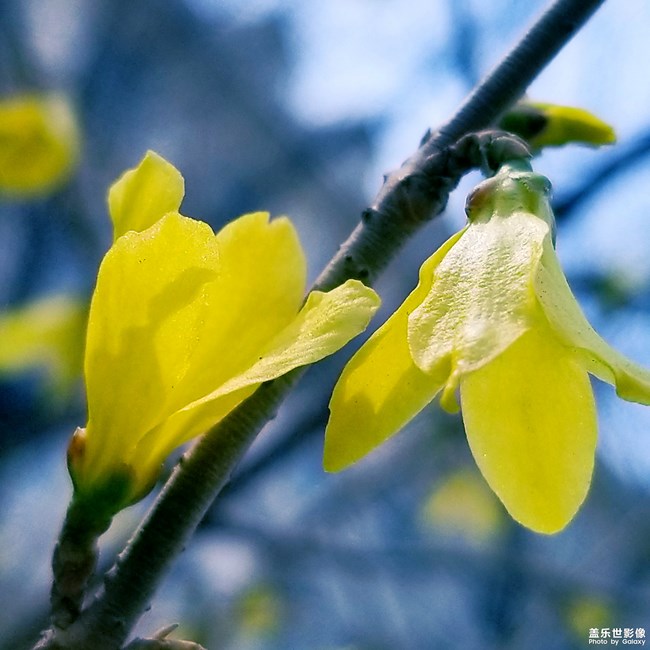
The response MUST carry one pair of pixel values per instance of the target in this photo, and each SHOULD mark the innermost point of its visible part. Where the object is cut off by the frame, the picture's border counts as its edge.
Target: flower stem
(73, 564)
(162, 535)
(409, 198)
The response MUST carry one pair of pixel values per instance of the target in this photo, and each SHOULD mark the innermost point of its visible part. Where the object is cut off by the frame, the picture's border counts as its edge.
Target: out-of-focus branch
(300, 433)
(618, 162)
(418, 555)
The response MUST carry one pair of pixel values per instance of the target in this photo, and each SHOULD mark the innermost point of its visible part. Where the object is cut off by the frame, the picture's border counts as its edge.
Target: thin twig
(618, 162)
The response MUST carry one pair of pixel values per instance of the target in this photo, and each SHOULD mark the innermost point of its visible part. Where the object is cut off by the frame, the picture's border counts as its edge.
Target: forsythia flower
(493, 315)
(551, 125)
(185, 324)
(39, 143)
(48, 334)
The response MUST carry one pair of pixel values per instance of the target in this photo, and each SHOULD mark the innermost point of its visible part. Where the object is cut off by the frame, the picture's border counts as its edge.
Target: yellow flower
(47, 333)
(464, 506)
(553, 125)
(493, 315)
(185, 324)
(39, 144)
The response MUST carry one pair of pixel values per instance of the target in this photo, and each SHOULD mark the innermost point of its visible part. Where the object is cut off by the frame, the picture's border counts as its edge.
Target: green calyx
(514, 188)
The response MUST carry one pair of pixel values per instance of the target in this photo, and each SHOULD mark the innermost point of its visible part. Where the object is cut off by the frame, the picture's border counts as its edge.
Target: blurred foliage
(39, 144)
(259, 611)
(47, 334)
(463, 504)
(587, 612)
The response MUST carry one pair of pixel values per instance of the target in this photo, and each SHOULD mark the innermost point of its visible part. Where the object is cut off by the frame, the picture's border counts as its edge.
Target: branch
(73, 563)
(413, 557)
(408, 199)
(617, 163)
(301, 433)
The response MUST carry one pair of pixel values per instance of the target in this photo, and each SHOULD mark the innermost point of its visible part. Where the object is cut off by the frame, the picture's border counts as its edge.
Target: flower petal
(153, 448)
(324, 325)
(632, 382)
(481, 298)
(552, 125)
(565, 124)
(145, 320)
(531, 423)
(145, 194)
(258, 292)
(381, 388)
(177, 312)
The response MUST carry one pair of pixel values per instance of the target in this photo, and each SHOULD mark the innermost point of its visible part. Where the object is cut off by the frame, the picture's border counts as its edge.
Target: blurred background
(298, 108)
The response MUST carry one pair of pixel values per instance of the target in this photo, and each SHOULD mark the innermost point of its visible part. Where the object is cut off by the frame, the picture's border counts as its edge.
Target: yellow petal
(481, 299)
(145, 194)
(570, 325)
(565, 124)
(183, 425)
(531, 423)
(176, 313)
(324, 325)
(381, 388)
(552, 125)
(258, 292)
(40, 143)
(145, 320)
